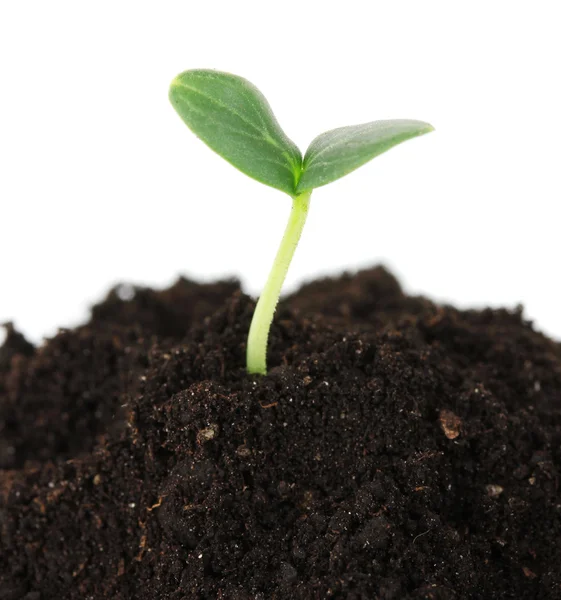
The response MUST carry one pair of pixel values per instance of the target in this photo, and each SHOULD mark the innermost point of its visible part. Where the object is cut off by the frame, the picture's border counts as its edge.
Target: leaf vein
(336, 140)
(264, 133)
(243, 133)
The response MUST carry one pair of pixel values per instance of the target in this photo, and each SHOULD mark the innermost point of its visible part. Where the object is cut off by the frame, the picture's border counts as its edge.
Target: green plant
(234, 119)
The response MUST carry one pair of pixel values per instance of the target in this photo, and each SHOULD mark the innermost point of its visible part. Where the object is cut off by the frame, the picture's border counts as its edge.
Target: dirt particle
(208, 433)
(528, 573)
(243, 451)
(450, 423)
(493, 490)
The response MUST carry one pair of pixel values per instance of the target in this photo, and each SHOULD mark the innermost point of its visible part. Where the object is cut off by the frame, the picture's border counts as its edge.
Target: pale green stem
(265, 309)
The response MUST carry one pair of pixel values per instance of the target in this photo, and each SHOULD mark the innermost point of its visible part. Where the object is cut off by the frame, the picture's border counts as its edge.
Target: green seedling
(233, 118)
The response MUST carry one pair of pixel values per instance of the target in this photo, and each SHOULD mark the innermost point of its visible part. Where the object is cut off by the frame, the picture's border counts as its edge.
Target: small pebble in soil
(494, 490)
(450, 423)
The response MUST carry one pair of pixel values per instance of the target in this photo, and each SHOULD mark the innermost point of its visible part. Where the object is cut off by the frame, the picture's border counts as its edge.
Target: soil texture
(397, 449)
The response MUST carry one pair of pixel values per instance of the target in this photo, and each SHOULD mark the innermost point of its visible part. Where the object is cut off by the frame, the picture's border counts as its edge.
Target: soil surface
(397, 449)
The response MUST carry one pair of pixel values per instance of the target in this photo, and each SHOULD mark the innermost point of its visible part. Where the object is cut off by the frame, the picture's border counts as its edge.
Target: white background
(101, 182)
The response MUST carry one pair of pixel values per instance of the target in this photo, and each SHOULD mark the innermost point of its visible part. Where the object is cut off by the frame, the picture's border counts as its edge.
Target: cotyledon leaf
(233, 118)
(336, 153)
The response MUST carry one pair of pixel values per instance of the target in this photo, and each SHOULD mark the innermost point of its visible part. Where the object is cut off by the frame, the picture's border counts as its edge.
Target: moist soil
(396, 449)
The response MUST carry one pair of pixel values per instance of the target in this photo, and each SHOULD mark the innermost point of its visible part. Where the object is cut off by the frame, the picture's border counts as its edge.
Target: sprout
(233, 118)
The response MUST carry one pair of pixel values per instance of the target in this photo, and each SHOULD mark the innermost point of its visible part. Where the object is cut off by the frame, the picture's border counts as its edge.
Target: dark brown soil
(397, 449)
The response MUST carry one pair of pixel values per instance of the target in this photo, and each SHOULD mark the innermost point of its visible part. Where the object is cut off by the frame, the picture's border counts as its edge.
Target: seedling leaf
(336, 153)
(233, 118)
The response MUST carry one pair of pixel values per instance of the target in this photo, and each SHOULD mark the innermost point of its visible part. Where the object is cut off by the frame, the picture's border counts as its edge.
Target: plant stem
(265, 309)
